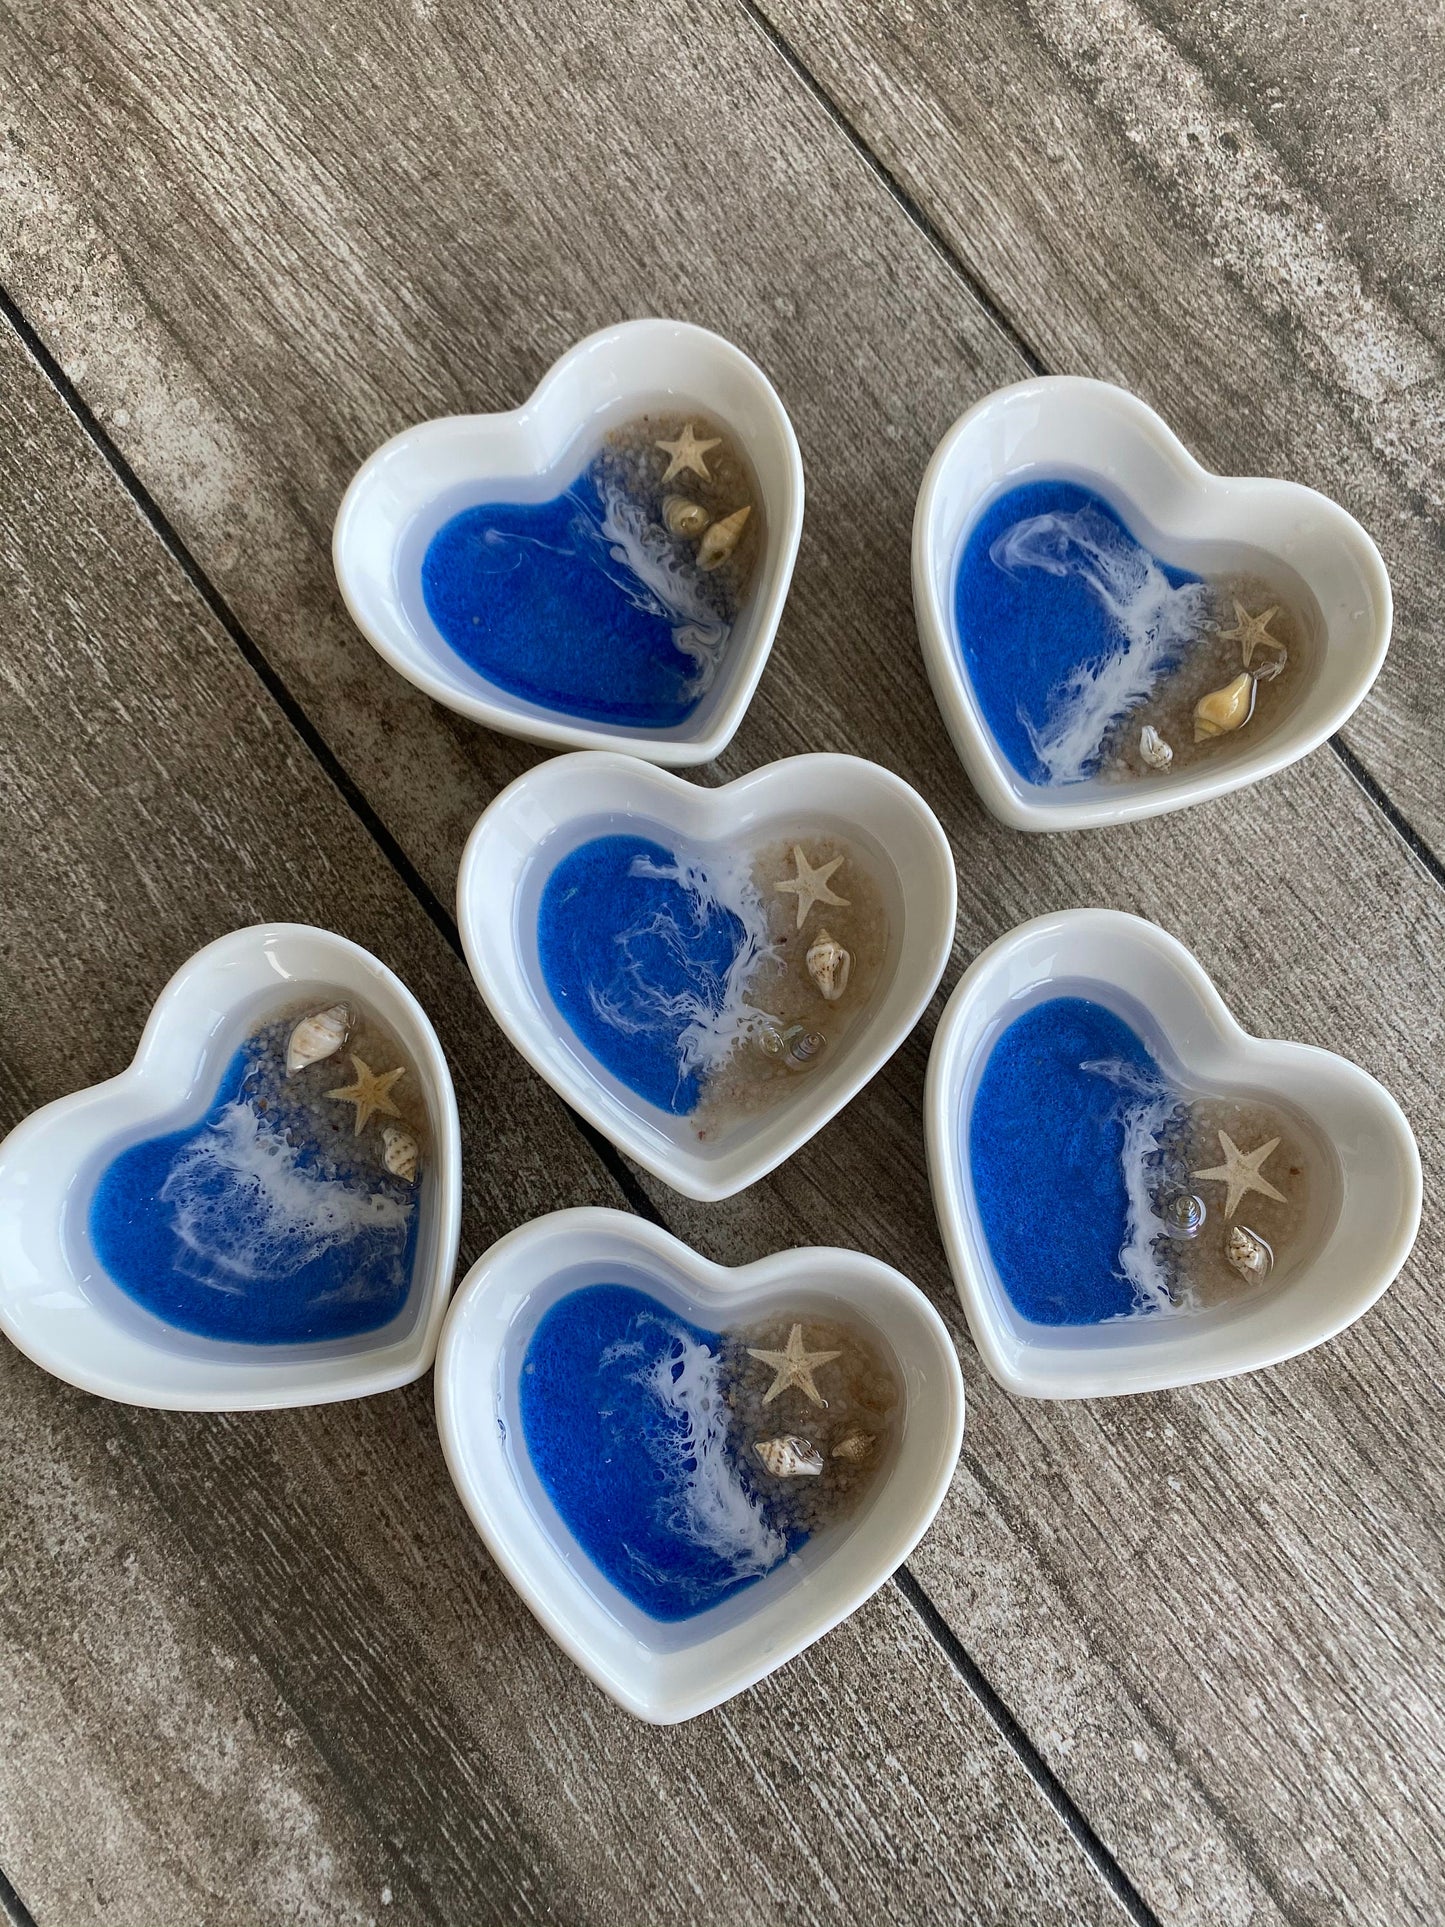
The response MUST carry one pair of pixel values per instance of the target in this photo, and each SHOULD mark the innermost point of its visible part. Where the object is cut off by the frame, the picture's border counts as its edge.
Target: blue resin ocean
(688, 1463)
(616, 600)
(710, 978)
(1089, 655)
(1107, 1190)
(288, 1212)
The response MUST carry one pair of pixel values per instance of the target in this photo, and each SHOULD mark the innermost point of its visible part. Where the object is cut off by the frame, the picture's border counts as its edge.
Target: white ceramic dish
(56, 1302)
(668, 1672)
(561, 803)
(417, 481)
(1106, 438)
(1378, 1166)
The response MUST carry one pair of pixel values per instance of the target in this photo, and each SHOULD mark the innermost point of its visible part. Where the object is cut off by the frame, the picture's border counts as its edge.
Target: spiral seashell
(399, 1153)
(1154, 752)
(856, 1446)
(722, 538)
(1179, 1211)
(1224, 709)
(684, 517)
(789, 1457)
(804, 1048)
(1249, 1254)
(320, 1035)
(829, 965)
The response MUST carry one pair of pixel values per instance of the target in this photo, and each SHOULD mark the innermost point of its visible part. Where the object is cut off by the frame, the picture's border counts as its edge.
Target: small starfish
(793, 1367)
(810, 886)
(1240, 1172)
(1251, 630)
(687, 453)
(370, 1093)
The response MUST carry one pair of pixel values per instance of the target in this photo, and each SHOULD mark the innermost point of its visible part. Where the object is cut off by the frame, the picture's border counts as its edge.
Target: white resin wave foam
(245, 1208)
(1154, 621)
(712, 1506)
(1146, 1106)
(713, 1009)
(655, 581)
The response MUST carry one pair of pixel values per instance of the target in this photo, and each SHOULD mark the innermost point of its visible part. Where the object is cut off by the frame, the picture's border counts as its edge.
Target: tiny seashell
(320, 1035)
(803, 1048)
(399, 1153)
(789, 1457)
(1224, 709)
(857, 1445)
(684, 517)
(829, 965)
(1250, 1255)
(1180, 1212)
(722, 538)
(1153, 750)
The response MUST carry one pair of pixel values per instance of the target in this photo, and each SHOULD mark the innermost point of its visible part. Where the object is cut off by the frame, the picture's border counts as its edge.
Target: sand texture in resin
(861, 1412)
(1211, 662)
(755, 1077)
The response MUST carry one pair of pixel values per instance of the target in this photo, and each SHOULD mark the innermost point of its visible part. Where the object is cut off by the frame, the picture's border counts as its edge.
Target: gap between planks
(1034, 361)
(13, 1912)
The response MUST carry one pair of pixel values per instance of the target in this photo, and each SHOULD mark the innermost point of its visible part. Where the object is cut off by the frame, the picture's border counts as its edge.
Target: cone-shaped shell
(320, 1035)
(1224, 709)
(829, 965)
(1250, 1256)
(789, 1457)
(399, 1153)
(856, 1446)
(722, 538)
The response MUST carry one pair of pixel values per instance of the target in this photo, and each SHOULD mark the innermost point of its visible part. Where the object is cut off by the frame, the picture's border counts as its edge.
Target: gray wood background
(1173, 1659)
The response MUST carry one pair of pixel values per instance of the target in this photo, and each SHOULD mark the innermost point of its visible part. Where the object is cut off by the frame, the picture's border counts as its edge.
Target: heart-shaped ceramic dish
(1150, 979)
(666, 1672)
(544, 815)
(417, 481)
(1066, 428)
(62, 1309)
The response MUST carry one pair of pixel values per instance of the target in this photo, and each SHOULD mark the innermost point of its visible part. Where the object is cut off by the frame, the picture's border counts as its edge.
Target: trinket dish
(643, 1534)
(263, 1209)
(707, 975)
(1133, 1192)
(601, 568)
(1111, 631)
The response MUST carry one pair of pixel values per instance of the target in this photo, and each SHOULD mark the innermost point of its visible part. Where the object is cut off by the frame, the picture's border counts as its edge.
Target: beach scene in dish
(288, 1212)
(1108, 1188)
(1090, 657)
(689, 1462)
(711, 980)
(616, 600)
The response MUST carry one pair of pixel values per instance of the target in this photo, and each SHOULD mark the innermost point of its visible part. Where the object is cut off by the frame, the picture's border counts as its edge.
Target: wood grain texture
(258, 1667)
(1233, 210)
(258, 251)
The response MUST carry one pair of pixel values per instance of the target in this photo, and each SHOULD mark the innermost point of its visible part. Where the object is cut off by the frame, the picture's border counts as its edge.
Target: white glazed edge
(785, 522)
(949, 679)
(722, 1178)
(1196, 1357)
(669, 1687)
(160, 1075)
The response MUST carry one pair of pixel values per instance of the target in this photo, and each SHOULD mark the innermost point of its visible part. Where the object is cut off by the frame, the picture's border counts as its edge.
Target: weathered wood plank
(1234, 211)
(259, 1667)
(278, 203)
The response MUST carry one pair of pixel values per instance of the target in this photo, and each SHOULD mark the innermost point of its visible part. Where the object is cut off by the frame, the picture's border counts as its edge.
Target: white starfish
(687, 453)
(1251, 630)
(1239, 1173)
(810, 886)
(795, 1366)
